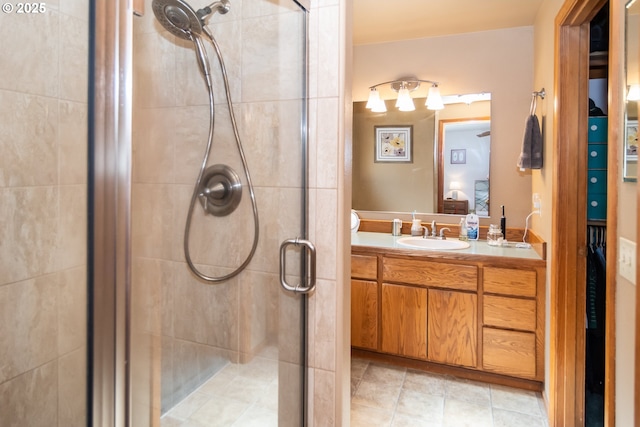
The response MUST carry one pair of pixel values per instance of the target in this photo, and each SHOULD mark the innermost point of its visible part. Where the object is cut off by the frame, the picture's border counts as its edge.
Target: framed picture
(393, 144)
(459, 156)
(632, 138)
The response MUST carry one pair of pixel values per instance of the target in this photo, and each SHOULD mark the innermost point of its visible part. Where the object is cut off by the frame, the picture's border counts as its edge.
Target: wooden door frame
(569, 223)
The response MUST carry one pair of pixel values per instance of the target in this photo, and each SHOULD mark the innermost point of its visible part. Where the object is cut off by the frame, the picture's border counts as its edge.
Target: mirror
(439, 155)
(632, 55)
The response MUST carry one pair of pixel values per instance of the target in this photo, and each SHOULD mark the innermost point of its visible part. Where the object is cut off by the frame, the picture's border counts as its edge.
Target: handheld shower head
(177, 17)
(221, 7)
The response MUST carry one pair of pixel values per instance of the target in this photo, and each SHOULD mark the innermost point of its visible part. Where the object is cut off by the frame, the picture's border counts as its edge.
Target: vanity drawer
(509, 352)
(364, 266)
(597, 156)
(511, 313)
(431, 274)
(597, 129)
(509, 281)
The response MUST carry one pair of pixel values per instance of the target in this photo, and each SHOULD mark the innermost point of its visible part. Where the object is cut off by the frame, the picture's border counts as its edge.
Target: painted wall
(499, 62)
(43, 239)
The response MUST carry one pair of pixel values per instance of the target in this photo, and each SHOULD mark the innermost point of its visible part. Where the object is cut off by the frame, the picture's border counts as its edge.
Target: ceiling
(377, 21)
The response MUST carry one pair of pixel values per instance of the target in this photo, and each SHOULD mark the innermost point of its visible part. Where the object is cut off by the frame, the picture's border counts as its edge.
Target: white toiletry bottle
(473, 224)
(463, 230)
(416, 227)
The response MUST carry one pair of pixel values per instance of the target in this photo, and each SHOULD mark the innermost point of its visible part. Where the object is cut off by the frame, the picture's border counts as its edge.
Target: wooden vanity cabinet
(511, 320)
(483, 316)
(429, 310)
(364, 301)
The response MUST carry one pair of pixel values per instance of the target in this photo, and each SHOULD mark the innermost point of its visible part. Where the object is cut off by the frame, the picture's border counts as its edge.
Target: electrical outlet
(627, 259)
(537, 203)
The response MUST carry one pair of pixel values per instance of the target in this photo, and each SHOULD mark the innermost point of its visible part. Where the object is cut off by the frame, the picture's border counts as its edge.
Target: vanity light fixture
(634, 93)
(404, 102)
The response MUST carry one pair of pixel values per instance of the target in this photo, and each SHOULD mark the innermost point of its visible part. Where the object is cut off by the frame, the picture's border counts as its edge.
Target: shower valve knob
(220, 190)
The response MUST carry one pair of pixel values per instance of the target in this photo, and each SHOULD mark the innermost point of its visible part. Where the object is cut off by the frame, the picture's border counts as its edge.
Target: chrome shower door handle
(308, 277)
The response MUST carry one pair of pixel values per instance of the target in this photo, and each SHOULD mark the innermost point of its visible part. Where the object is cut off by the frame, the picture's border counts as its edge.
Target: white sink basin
(418, 242)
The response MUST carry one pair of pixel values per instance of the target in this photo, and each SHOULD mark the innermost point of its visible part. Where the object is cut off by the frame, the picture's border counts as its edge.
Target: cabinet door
(453, 328)
(364, 314)
(404, 320)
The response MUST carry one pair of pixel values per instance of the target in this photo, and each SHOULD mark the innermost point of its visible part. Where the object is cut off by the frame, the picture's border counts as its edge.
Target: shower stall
(220, 105)
(153, 214)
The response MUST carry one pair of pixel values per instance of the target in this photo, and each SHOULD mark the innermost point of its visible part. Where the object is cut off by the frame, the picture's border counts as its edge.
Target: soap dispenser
(463, 229)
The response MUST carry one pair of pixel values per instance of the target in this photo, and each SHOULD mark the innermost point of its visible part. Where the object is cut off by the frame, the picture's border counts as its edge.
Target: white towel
(531, 155)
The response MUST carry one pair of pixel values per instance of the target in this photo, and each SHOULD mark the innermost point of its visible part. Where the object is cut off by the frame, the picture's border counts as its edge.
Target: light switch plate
(627, 259)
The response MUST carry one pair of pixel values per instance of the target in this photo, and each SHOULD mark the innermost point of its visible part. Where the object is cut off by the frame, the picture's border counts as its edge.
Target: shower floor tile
(240, 395)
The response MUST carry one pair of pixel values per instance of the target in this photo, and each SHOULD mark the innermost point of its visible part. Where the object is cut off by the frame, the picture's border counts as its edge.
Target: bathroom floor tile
(376, 395)
(515, 400)
(502, 418)
(459, 413)
(365, 416)
(421, 406)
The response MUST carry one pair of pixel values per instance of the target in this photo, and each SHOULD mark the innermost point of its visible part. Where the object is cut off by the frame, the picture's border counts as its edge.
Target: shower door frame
(109, 209)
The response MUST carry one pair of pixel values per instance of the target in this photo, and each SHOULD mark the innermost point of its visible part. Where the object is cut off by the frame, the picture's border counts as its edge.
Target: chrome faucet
(442, 236)
(434, 232)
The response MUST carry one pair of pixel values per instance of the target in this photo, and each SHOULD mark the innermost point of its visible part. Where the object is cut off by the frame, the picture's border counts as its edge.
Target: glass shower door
(229, 353)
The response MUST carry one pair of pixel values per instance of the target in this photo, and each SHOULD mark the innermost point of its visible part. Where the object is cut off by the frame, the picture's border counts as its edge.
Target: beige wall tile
(72, 312)
(76, 8)
(72, 142)
(28, 145)
(324, 398)
(72, 385)
(326, 232)
(30, 399)
(71, 242)
(203, 313)
(154, 60)
(325, 325)
(152, 221)
(28, 238)
(328, 51)
(34, 51)
(153, 146)
(73, 58)
(327, 153)
(28, 330)
(271, 66)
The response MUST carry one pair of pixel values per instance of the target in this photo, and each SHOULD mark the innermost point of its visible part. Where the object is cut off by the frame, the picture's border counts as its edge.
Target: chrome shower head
(181, 20)
(177, 17)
